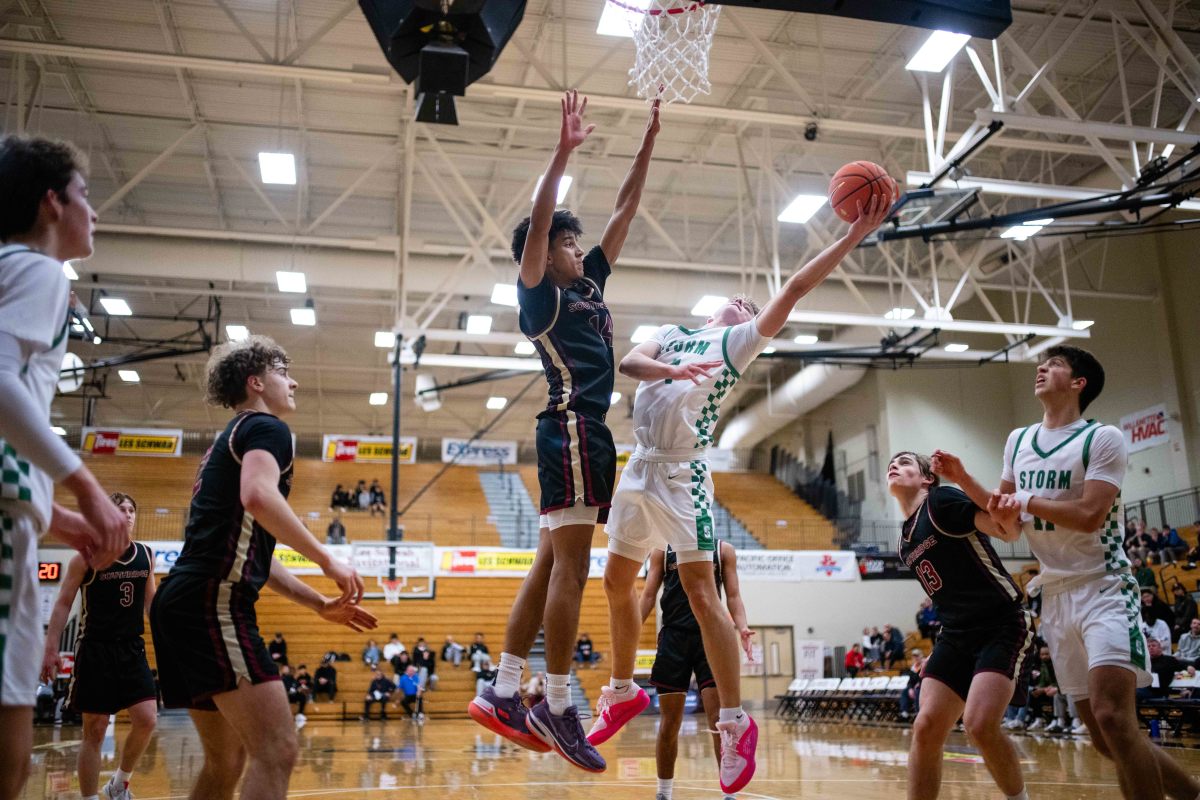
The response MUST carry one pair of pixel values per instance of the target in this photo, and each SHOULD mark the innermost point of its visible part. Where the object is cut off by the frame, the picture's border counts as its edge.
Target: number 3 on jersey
(929, 577)
(126, 590)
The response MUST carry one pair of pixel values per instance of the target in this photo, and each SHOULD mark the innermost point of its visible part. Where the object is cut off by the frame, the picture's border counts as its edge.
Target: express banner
(132, 441)
(366, 449)
(478, 452)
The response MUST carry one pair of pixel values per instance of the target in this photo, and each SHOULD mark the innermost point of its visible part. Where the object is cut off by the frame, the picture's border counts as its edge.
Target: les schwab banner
(367, 449)
(133, 441)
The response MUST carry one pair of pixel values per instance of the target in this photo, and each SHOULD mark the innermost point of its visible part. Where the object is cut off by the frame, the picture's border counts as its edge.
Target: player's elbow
(254, 498)
(627, 366)
(1095, 520)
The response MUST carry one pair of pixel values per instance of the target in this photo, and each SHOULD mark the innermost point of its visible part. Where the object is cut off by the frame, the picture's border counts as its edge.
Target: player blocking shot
(977, 668)
(111, 673)
(211, 657)
(560, 291)
(1063, 476)
(665, 494)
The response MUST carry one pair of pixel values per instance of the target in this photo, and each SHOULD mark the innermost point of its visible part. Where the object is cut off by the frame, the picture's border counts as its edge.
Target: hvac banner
(478, 452)
(132, 441)
(797, 565)
(1146, 428)
(366, 449)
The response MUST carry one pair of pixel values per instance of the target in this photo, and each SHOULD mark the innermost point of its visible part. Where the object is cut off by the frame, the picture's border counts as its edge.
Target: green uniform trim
(1017, 448)
(1034, 443)
(725, 353)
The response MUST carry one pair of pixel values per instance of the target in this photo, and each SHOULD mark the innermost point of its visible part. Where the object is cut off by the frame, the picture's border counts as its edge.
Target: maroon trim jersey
(955, 562)
(113, 602)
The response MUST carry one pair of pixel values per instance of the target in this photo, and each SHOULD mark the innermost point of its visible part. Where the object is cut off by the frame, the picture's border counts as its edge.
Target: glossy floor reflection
(457, 759)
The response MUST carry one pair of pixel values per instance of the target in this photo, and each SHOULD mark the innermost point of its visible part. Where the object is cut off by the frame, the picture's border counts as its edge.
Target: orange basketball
(856, 183)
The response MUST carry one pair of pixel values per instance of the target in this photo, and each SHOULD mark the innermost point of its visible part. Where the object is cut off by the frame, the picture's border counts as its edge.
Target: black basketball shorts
(206, 640)
(577, 463)
(1002, 645)
(680, 656)
(110, 676)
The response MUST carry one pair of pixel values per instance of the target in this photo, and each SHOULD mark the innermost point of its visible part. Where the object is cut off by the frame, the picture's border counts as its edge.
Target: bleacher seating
(511, 508)
(771, 513)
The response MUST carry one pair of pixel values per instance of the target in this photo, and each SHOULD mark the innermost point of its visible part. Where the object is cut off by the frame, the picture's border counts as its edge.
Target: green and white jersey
(680, 415)
(34, 299)
(1054, 463)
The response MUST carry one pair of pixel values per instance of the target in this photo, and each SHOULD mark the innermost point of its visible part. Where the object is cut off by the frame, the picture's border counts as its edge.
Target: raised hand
(874, 215)
(573, 132)
(696, 372)
(652, 123)
(948, 466)
(354, 617)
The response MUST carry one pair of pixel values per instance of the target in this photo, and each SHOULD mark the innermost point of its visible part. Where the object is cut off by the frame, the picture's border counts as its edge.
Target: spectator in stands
(1143, 574)
(485, 674)
(584, 651)
(893, 646)
(477, 646)
(1173, 546)
(1193, 555)
(278, 650)
(854, 660)
(44, 710)
(295, 693)
(378, 498)
(336, 532)
(1164, 666)
(910, 698)
(426, 664)
(340, 499)
(393, 646)
(304, 679)
(380, 691)
(927, 619)
(1045, 688)
(1183, 611)
(870, 649)
(1141, 545)
(371, 654)
(1153, 625)
(362, 496)
(452, 651)
(535, 690)
(325, 680)
(411, 692)
(400, 662)
(1189, 642)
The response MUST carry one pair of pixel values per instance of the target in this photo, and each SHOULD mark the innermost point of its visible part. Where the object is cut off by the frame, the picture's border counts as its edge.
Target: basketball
(858, 182)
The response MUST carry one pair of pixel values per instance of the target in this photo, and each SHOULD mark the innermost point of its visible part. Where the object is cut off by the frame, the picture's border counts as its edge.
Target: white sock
(731, 715)
(621, 685)
(121, 777)
(558, 692)
(664, 787)
(508, 674)
(92, 797)
(1021, 795)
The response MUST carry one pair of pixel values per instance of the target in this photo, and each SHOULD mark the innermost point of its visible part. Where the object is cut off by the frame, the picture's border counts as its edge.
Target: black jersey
(221, 540)
(956, 563)
(572, 330)
(114, 599)
(676, 610)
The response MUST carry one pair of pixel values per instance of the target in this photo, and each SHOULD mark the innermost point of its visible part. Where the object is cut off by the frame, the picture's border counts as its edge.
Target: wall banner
(479, 452)
(1146, 428)
(797, 565)
(132, 441)
(366, 449)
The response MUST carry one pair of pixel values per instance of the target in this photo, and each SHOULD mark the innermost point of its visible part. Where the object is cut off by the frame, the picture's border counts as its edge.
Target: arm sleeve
(596, 266)
(742, 344)
(1107, 457)
(22, 424)
(951, 510)
(264, 432)
(537, 306)
(1006, 469)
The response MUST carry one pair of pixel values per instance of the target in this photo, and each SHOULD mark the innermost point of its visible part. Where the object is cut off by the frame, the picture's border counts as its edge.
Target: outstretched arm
(571, 135)
(775, 313)
(996, 518)
(51, 663)
(331, 609)
(642, 364)
(630, 194)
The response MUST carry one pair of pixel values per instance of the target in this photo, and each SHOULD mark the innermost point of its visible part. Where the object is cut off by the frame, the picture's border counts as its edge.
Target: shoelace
(729, 754)
(606, 700)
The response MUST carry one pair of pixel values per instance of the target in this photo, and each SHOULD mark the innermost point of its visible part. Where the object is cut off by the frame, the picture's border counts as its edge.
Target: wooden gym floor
(453, 758)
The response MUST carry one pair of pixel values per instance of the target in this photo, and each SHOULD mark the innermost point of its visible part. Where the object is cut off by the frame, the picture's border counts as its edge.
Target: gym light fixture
(497, 403)
(1083, 324)
(938, 51)
(954, 347)
(304, 316)
(708, 304)
(806, 338)
(236, 333)
(505, 294)
(479, 324)
(61, 431)
(129, 375)
(378, 399)
(643, 333)
(524, 349)
(900, 313)
(613, 398)
(277, 168)
(385, 339)
(768, 350)
(116, 307)
(1025, 229)
(69, 271)
(617, 21)
(564, 183)
(803, 208)
(291, 282)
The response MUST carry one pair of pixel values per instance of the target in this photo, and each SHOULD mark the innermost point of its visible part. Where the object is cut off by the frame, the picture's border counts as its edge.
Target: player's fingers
(583, 106)
(588, 130)
(362, 588)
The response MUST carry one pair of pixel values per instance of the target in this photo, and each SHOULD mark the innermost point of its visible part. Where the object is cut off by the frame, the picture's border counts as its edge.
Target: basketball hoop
(391, 589)
(673, 38)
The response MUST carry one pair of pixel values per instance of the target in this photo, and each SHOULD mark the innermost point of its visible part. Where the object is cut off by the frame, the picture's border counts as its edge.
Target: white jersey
(34, 299)
(675, 415)
(1054, 463)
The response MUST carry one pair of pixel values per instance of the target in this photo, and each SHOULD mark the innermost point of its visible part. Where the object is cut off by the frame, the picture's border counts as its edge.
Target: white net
(673, 38)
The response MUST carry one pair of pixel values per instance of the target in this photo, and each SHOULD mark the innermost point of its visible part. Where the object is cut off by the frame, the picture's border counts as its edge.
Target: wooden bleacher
(760, 502)
(462, 607)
